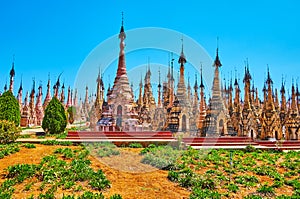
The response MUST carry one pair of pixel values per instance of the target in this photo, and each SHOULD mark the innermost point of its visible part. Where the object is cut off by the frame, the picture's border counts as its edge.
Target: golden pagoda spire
(270, 100)
(246, 80)
(140, 100)
(159, 91)
(202, 105)
(294, 108)
(283, 99)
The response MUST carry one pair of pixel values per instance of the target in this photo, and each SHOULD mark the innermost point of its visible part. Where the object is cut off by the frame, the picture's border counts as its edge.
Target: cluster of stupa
(179, 108)
(33, 107)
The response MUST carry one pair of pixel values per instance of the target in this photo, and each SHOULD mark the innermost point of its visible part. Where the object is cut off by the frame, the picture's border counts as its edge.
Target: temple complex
(178, 108)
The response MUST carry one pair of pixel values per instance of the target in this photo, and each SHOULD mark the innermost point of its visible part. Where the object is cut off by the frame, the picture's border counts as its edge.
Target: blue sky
(57, 36)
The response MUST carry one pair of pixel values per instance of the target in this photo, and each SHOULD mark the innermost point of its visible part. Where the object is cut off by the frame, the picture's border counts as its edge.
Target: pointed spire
(62, 94)
(217, 62)
(196, 83)
(269, 80)
(294, 109)
(12, 71)
(21, 85)
(19, 97)
(5, 86)
(48, 95)
(33, 85)
(75, 98)
(38, 107)
(189, 85)
(159, 90)
(121, 64)
(122, 25)
(182, 59)
(69, 98)
(201, 78)
(12, 75)
(159, 82)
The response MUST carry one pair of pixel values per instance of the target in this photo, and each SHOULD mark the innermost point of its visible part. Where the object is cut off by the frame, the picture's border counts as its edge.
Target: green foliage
(28, 186)
(294, 183)
(115, 196)
(8, 131)
(266, 190)
(21, 171)
(57, 172)
(199, 193)
(251, 196)
(9, 108)
(66, 152)
(233, 188)
(7, 189)
(103, 149)
(99, 181)
(71, 114)
(250, 148)
(162, 157)
(8, 149)
(61, 135)
(91, 195)
(54, 142)
(135, 145)
(55, 120)
(29, 146)
(246, 180)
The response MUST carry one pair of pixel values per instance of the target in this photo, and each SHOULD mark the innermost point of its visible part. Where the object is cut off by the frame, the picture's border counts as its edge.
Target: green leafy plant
(135, 145)
(115, 196)
(9, 108)
(266, 190)
(71, 114)
(55, 142)
(29, 146)
(103, 149)
(8, 149)
(162, 157)
(8, 131)
(233, 188)
(21, 171)
(204, 193)
(55, 120)
(91, 195)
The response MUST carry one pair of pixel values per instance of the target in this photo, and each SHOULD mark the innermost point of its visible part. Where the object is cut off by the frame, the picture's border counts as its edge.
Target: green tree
(71, 114)
(55, 120)
(9, 108)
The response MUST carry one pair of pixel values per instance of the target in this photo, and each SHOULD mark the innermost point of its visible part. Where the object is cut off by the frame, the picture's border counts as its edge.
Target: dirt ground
(132, 179)
(128, 177)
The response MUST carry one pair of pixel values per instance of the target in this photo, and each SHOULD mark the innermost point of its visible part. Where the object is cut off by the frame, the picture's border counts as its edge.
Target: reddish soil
(128, 177)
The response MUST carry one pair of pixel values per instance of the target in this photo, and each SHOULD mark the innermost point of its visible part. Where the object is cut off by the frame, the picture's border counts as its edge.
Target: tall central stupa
(120, 97)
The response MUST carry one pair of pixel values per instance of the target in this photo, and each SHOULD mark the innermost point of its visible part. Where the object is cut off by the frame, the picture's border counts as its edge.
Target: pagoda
(120, 97)
(216, 120)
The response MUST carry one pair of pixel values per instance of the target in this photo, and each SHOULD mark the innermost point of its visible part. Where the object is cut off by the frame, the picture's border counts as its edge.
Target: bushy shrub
(71, 114)
(162, 157)
(9, 108)
(8, 131)
(55, 120)
(135, 145)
